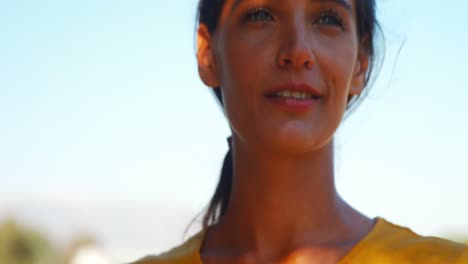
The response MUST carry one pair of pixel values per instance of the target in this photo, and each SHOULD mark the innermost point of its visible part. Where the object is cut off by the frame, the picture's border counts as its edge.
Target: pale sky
(101, 101)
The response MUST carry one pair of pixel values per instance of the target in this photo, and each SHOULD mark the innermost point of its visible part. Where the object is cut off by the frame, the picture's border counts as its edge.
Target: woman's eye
(330, 19)
(327, 20)
(259, 15)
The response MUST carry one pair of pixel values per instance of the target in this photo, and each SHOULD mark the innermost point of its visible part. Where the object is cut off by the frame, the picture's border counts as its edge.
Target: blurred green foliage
(19, 245)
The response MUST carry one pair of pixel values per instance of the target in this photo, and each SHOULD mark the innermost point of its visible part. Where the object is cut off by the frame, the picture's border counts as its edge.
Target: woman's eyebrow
(343, 3)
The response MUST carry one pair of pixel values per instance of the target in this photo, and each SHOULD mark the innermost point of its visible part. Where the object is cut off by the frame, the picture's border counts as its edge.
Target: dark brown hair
(209, 12)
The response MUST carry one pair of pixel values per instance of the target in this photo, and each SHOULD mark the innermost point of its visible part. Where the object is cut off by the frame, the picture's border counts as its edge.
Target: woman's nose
(295, 52)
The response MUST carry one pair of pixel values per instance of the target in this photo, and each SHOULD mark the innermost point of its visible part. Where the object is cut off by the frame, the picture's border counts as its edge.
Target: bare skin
(278, 218)
(284, 207)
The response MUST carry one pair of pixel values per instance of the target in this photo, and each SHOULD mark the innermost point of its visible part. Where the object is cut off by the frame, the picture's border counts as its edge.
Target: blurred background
(110, 144)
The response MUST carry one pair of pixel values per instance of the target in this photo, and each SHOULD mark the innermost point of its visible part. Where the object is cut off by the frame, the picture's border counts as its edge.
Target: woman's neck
(278, 204)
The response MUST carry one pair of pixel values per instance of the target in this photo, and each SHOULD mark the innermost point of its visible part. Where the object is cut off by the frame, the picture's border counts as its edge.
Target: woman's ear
(205, 57)
(360, 71)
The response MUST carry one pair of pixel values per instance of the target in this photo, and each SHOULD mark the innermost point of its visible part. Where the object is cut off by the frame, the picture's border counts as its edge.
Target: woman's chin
(293, 143)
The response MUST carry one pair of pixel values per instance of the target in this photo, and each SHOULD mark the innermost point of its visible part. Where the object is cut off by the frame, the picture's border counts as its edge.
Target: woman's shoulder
(391, 243)
(185, 253)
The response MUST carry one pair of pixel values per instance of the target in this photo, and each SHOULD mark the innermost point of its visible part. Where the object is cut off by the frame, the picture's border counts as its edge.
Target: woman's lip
(297, 87)
(292, 104)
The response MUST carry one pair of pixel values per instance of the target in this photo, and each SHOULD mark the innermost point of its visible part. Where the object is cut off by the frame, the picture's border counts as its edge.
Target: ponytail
(220, 199)
(219, 202)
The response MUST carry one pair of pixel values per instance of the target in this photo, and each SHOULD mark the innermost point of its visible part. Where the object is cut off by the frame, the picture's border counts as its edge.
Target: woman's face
(286, 69)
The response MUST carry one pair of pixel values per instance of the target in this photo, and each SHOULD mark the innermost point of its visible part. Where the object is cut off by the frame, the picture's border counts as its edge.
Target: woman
(285, 73)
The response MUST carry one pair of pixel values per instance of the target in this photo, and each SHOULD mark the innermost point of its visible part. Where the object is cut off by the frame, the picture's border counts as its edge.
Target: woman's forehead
(347, 4)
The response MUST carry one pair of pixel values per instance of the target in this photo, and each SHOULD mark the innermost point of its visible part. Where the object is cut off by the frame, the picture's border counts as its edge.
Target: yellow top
(385, 244)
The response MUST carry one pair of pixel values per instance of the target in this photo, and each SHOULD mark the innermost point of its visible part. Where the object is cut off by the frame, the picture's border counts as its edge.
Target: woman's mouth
(292, 104)
(293, 98)
(298, 95)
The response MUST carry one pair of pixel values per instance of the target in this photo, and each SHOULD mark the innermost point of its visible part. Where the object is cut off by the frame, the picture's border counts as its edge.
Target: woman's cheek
(341, 65)
(335, 70)
(247, 62)
(240, 51)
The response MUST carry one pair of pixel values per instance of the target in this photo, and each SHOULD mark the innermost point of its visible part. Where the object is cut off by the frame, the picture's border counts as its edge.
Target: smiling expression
(286, 69)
